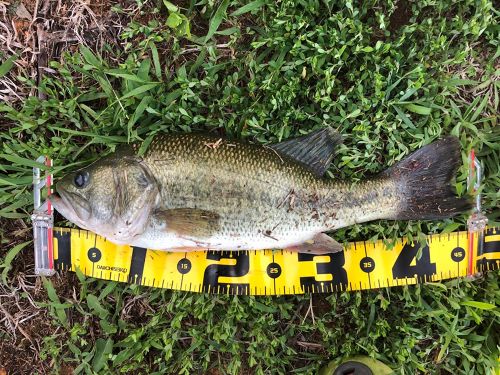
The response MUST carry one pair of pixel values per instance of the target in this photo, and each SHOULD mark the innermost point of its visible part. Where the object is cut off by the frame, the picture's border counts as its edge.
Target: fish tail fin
(424, 178)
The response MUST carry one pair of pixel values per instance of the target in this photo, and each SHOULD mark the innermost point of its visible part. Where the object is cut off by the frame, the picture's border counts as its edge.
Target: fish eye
(81, 179)
(142, 181)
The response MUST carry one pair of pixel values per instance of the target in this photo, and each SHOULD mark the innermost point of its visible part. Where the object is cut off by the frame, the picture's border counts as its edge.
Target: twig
(15, 324)
(310, 310)
(309, 345)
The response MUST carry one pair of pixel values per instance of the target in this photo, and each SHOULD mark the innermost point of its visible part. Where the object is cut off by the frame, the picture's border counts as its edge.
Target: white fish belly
(170, 241)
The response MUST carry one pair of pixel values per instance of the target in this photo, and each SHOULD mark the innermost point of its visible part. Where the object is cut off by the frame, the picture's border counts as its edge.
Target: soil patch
(401, 16)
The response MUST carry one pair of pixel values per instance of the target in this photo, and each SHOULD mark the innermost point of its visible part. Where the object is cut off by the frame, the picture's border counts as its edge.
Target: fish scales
(267, 198)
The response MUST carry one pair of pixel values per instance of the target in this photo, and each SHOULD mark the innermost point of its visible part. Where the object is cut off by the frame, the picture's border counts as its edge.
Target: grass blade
(7, 65)
(9, 257)
(217, 19)
(138, 113)
(102, 352)
(254, 5)
(479, 305)
(89, 56)
(421, 110)
(156, 60)
(55, 302)
(139, 90)
(18, 160)
(404, 118)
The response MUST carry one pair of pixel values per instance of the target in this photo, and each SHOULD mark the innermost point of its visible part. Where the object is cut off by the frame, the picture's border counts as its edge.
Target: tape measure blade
(363, 265)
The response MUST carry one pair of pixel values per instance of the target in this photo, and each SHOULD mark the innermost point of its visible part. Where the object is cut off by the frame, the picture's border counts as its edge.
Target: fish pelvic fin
(425, 178)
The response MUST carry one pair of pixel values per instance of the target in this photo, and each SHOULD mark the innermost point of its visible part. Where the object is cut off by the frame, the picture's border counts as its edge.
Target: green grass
(389, 76)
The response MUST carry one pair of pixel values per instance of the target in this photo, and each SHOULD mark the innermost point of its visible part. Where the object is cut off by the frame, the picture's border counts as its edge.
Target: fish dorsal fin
(314, 150)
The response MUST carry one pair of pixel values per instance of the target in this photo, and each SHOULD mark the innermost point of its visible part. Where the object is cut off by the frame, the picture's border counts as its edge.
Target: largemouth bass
(194, 192)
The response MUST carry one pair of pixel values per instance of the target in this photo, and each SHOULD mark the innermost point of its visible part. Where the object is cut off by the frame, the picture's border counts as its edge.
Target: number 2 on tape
(214, 271)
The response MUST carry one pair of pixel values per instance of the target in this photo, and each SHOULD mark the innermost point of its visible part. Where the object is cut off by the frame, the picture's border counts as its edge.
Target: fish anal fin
(189, 222)
(320, 244)
(315, 150)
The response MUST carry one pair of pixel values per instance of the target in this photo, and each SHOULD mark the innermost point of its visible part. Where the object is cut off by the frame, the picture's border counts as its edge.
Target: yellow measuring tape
(362, 265)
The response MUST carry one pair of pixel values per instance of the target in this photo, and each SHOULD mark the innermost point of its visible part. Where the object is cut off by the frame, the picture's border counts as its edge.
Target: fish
(192, 192)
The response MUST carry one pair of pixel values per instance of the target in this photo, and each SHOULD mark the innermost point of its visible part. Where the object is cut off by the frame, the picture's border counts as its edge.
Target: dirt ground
(39, 31)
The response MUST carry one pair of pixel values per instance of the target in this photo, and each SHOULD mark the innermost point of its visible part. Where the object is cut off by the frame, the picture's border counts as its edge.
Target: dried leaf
(22, 12)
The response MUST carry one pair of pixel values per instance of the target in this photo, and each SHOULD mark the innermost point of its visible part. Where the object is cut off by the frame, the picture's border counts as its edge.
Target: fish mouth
(72, 206)
(60, 203)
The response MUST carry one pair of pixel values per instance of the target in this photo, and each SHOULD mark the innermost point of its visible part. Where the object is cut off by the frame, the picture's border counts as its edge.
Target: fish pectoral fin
(190, 222)
(318, 245)
(315, 150)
